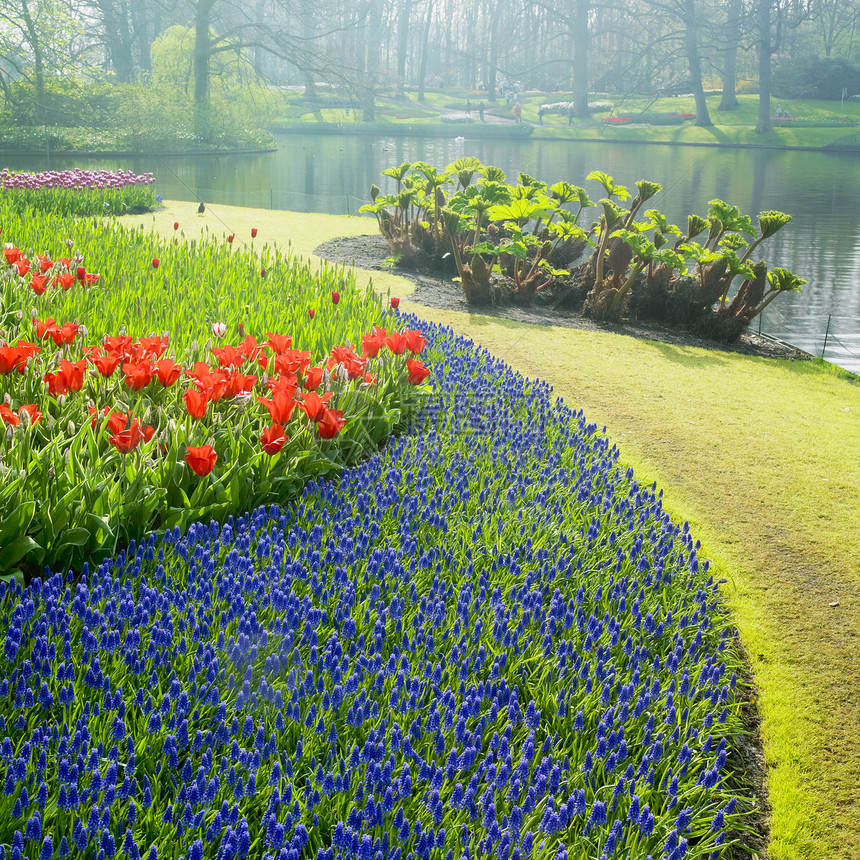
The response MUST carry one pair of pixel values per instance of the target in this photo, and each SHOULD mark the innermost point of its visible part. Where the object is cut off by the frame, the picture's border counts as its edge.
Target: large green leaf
(16, 550)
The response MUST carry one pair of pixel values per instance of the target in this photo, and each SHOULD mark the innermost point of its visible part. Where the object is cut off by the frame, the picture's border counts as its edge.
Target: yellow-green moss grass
(760, 455)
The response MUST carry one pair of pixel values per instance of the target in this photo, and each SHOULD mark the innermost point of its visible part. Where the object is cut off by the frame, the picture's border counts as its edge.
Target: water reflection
(820, 190)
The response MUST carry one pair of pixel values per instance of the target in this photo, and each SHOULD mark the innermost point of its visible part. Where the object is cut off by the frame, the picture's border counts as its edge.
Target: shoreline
(531, 131)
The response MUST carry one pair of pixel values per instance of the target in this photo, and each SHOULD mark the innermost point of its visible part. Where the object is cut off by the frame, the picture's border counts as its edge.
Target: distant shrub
(401, 129)
(816, 78)
(564, 107)
(655, 118)
(815, 122)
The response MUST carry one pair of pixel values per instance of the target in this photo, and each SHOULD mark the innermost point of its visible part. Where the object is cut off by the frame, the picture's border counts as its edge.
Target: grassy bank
(819, 124)
(753, 453)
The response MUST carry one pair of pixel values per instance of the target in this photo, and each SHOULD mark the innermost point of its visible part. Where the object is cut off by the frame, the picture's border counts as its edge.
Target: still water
(820, 190)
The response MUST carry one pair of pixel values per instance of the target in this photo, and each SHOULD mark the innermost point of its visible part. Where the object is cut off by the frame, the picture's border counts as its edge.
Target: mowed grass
(730, 128)
(760, 456)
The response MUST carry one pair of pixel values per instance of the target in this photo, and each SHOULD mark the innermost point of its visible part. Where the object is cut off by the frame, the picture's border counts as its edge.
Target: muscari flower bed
(487, 640)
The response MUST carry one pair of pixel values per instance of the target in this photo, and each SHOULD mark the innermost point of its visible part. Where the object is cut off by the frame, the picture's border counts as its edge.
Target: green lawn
(731, 128)
(760, 456)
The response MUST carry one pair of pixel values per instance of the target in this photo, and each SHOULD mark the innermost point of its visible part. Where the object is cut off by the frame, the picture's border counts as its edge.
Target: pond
(820, 190)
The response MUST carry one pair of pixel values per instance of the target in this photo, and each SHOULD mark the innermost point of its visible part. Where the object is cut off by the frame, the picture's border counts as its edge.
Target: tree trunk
(402, 45)
(368, 94)
(691, 44)
(307, 13)
(493, 52)
(729, 100)
(762, 13)
(422, 69)
(580, 59)
(141, 21)
(201, 68)
(117, 38)
(41, 111)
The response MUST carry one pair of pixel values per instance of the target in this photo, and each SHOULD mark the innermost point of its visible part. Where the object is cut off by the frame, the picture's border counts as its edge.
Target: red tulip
(66, 280)
(292, 360)
(311, 312)
(202, 459)
(116, 420)
(107, 364)
(279, 342)
(335, 297)
(175, 225)
(417, 372)
(262, 273)
(150, 347)
(415, 341)
(213, 383)
(313, 378)
(155, 262)
(61, 335)
(127, 440)
(286, 383)
(370, 345)
(22, 266)
(74, 371)
(167, 371)
(33, 411)
(12, 255)
(10, 358)
(230, 238)
(253, 232)
(395, 302)
(45, 263)
(195, 402)
(273, 439)
(331, 423)
(229, 356)
(280, 407)
(138, 374)
(81, 273)
(39, 284)
(314, 406)
(237, 383)
(118, 344)
(7, 416)
(396, 342)
(57, 383)
(44, 328)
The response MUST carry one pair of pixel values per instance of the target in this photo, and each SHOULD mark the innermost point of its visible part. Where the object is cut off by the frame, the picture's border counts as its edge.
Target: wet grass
(760, 456)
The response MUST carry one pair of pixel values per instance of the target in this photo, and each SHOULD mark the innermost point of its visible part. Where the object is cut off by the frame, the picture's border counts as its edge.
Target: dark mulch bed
(439, 290)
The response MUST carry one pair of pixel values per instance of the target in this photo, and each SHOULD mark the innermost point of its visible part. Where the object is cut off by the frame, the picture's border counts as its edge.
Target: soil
(438, 290)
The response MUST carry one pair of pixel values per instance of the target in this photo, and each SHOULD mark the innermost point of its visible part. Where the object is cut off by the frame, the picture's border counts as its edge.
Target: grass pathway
(761, 457)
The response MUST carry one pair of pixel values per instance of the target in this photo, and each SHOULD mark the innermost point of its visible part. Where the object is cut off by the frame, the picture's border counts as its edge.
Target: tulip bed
(486, 640)
(79, 192)
(112, 429)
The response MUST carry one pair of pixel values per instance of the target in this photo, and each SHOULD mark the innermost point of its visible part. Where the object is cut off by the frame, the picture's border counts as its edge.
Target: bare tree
(731, 43)
(772, 18)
